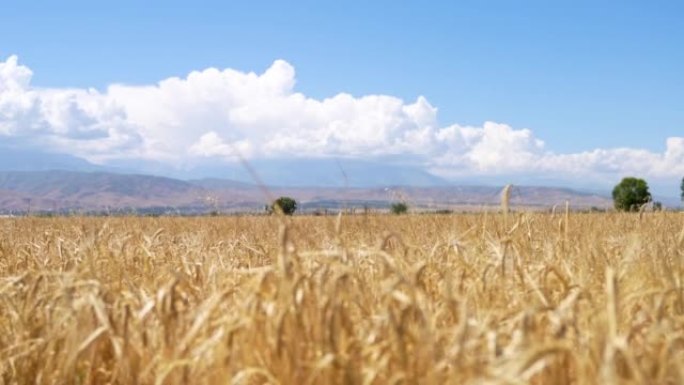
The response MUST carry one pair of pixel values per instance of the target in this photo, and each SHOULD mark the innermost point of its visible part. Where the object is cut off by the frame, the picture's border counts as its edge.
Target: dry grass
(462, 299)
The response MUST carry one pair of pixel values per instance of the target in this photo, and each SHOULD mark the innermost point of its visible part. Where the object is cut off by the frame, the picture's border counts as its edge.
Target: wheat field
(482, 298)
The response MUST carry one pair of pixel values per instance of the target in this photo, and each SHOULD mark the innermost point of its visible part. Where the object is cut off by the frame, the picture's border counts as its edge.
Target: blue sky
(580, 75)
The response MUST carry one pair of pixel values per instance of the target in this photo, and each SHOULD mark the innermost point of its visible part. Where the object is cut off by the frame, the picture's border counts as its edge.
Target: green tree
(399, 208)
(681, 187)
(285, 205)
(630, 194)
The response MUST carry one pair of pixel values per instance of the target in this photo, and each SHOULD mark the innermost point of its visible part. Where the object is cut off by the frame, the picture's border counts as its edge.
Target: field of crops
(417, 299)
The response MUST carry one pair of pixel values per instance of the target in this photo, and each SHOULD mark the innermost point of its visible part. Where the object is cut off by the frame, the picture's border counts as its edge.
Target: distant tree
(657, 206)
(681, 187)
(399, 208)
(630, 194)
(285, 205)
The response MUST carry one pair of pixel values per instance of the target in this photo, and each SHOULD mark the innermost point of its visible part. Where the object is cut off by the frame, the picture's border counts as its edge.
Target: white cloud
(489, 148)
(225, 113)
(211, 145)
(263, 113)
(78, 121)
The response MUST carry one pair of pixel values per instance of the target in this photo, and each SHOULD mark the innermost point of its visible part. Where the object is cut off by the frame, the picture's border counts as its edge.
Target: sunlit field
(532, 298)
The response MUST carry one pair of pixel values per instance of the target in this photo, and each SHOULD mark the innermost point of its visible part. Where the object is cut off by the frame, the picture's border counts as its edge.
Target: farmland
(539, 298)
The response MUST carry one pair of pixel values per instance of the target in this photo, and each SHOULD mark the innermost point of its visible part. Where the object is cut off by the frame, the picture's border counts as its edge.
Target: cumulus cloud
(211, 145)
(265, 114)
(488, 148)
(83, 122)
(225, 114)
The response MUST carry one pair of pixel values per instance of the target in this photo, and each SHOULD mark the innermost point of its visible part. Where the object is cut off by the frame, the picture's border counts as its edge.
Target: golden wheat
(421, 299)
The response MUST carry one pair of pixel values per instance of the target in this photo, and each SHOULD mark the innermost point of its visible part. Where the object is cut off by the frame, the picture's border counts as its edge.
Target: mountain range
(98, 191)
(210, 176)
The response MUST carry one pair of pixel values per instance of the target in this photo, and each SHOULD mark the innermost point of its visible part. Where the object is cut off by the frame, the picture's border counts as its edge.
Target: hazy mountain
(67, 190)
(325, 172)
(333, 173)
(211, 174)
(220, 184)
(306, 172)
(61, 184)
(12, 159)
(100, 191)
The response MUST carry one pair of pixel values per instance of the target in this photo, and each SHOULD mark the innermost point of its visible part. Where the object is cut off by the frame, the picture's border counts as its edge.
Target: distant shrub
(285, 205)
(399, 208)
